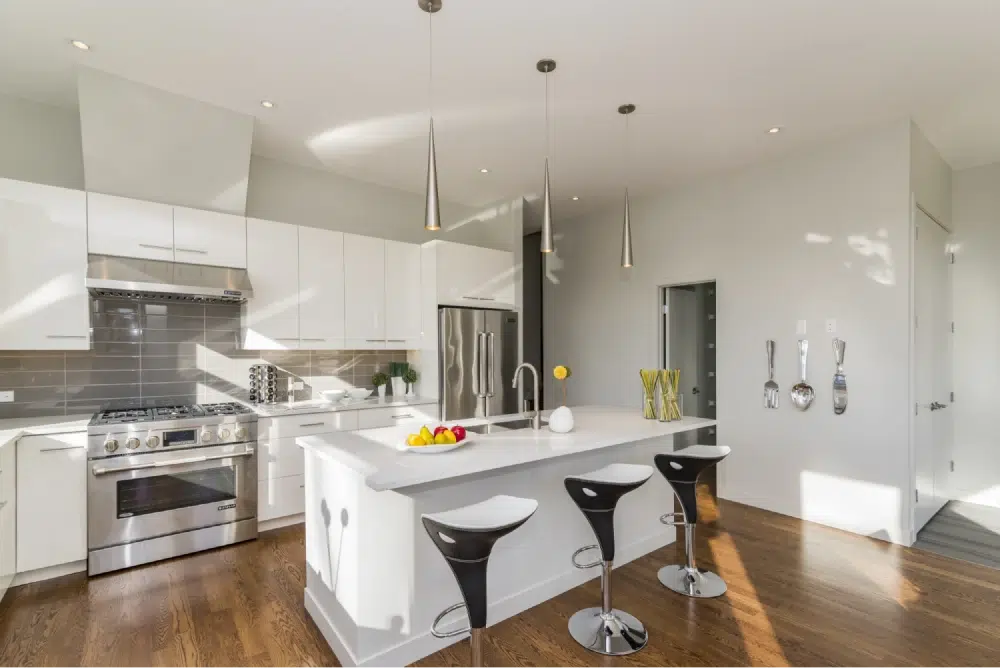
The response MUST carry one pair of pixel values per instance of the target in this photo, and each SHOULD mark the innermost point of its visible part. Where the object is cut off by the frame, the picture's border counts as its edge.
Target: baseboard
(419, 646)
(39, 574)
(280, 522)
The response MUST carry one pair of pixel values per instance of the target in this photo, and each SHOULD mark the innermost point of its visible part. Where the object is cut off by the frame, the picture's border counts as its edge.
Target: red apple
(438, 430)
(459, 433)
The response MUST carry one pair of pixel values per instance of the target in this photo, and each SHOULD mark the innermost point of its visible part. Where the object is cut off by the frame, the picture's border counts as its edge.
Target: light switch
(7, 397)
(831, 326)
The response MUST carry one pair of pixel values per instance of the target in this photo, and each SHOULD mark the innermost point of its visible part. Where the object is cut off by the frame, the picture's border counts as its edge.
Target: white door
(272, 314)
(364, 291)
(932, 358)
(321, 289)
(402, 296)
(129, 227)
(210, 237)
(43, 265)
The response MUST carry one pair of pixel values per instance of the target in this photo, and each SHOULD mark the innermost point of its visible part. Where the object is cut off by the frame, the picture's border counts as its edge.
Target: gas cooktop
(132, 415)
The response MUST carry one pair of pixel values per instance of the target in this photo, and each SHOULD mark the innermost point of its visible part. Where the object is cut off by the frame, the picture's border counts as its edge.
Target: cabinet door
(402, 296)
(321, 289)
(364, 291)
(280, 497)
(43, 265)
(129, 227)
(51, 500)
(497, 277)
(209, 237)
(272, 314)
(8, 516)
(474, 276)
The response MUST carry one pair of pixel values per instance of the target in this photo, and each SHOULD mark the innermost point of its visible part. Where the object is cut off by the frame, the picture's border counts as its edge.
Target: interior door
(932, 359)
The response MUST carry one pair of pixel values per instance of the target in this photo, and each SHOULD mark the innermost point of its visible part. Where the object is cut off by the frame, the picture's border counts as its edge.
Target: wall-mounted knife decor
(839, 379)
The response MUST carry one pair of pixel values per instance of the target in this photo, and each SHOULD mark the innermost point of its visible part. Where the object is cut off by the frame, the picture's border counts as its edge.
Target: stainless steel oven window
(172, 491)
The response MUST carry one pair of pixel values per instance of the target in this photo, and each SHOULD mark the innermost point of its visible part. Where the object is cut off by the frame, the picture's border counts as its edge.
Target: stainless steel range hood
(109, 276)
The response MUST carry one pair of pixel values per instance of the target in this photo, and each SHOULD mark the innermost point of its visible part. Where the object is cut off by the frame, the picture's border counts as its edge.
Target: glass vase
(649, 379)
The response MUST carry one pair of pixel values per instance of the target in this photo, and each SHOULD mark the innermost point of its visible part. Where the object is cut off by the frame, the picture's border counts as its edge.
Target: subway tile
(223, 311)
(34, 395)
(185, 309)
(103, 376)
(173, 322)
(86, 361)
(173, 336)
(170, 400)
(285, 357)
(214, 337)
(122, 348)
(32, 409)
(169, 362)
(10, 380)
(170, 376)
(101, 335)
(91, 392)
(188, 389)
(185, 349)
(89, 405)
(25, 362)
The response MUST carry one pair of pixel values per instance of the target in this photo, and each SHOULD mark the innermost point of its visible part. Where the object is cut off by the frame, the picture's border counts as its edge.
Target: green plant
(398, 369)
(379, 379)
(410, 376)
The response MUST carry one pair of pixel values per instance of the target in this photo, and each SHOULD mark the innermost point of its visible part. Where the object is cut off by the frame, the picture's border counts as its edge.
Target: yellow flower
(561, 372)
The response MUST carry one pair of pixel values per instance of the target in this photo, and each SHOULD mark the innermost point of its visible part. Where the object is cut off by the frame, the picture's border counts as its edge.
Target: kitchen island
(374, 580)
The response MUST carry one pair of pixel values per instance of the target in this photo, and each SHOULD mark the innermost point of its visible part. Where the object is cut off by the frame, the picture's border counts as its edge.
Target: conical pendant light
(432, 209)
(548, 245)
(625, 110)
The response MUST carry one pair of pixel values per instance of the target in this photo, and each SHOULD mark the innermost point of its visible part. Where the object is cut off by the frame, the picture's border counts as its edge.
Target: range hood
(109, 276)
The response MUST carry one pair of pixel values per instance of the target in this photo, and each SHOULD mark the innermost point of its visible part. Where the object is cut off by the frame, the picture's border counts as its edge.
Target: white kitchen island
(374, 579)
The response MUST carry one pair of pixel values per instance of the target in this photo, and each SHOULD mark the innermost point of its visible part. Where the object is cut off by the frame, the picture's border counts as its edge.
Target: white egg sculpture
(561, 420)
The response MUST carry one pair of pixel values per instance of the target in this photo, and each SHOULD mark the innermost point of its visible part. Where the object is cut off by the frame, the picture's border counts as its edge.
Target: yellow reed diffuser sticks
(649, 378)
(670, 381)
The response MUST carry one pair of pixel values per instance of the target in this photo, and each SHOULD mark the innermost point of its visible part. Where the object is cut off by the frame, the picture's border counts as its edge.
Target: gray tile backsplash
(168, 353)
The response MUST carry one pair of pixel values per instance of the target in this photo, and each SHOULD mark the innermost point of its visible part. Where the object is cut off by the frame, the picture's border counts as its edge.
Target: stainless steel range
(169, 480)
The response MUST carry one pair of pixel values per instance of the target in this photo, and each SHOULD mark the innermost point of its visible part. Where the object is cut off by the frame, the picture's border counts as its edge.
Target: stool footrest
(670, 519)
(582, 550)
(444, 613)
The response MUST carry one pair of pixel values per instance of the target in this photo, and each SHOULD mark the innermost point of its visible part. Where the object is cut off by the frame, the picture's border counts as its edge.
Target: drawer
(272, 429)
(8, 476)
(387, 417)
(281, 497)
(279, 458)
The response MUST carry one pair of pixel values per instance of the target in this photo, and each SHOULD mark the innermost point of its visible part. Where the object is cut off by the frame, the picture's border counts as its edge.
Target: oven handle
(102, 470)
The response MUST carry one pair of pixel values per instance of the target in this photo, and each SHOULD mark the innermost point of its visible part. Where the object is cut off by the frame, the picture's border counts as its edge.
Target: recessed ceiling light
(267, 104)
(775, 130)
(83, 46)
(575, 198)
(484, 171)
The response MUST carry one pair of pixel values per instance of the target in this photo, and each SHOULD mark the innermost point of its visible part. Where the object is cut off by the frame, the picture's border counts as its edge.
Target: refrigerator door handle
(479, 383)
(492, 357)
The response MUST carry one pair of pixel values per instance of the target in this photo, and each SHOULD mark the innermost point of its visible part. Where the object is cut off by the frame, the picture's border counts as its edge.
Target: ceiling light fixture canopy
(626, 110)
(775, 130)
(267, 104)
(83, 46)
(545, 66)
(432, 205)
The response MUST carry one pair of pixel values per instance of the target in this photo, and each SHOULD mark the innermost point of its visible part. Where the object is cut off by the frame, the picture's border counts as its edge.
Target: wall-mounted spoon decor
(839, 379)
(802, 392)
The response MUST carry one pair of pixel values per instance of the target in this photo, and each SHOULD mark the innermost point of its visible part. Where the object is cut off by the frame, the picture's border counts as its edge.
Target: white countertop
(374, 453)
(320, 406)
(12, 430)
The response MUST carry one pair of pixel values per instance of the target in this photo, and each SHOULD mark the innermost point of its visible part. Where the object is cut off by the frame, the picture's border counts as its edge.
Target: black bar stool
(605, 630)
(681, 469)
(465, 537)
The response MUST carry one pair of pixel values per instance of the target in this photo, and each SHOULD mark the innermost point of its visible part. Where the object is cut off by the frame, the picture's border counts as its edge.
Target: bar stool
(465, 537)
(605, 630)
(681, 468)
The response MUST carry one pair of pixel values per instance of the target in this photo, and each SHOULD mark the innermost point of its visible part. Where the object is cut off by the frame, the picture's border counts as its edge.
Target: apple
(459, 432)
(438, 430)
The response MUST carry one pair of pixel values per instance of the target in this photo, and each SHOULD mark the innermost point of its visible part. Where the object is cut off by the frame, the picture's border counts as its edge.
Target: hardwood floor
(798, 594)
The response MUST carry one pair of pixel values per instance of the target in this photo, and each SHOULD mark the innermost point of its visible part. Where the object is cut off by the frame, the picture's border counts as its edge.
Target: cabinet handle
(313, 424)
(310, 339)
(65, 336)
(375, 340)
(300, 487)
(401, 417)
(3, 504)
(470, 297)
(169, 248)
(395, 340)
(191, 250)
(68, 447)
(488, 299)
(286, 338)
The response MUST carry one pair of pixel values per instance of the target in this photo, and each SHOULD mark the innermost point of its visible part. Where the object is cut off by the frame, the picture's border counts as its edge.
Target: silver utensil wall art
(802, 392)
(839, 379)
(770, 387)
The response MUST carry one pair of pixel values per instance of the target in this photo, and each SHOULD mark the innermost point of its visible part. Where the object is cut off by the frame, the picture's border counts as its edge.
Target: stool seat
(492, 514)
(617, 474)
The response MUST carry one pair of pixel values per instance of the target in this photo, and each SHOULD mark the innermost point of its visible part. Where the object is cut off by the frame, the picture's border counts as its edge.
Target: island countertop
(375, 453)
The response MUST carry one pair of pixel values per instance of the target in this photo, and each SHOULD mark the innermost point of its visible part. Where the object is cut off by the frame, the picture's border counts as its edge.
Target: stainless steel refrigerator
(477, 356)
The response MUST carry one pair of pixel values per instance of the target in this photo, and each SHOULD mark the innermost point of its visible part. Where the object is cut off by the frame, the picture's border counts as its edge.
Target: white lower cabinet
(281, 497)
(388, 417)
(8, 516)
(51, 500)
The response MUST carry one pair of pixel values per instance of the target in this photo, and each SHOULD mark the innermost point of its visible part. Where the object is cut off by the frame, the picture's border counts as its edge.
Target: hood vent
(109, 276)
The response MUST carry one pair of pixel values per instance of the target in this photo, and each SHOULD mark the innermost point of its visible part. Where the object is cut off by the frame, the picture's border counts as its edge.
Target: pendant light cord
(626, 151)
(430, 62)
(547, 122)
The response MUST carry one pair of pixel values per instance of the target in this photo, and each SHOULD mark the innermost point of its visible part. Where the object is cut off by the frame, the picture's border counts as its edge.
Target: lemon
(415, 440)
(441, 439)
(561, 372)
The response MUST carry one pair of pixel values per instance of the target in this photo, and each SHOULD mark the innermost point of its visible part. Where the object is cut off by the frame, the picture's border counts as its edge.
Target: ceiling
(350, 87)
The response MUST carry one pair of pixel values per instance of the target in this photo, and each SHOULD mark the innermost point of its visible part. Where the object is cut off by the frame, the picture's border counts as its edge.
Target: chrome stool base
(693, 582)
(614, 634)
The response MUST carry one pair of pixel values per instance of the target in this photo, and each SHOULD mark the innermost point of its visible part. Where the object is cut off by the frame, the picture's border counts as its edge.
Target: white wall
(816, 236)
(976, 304)
(930, 177)
(40, 143)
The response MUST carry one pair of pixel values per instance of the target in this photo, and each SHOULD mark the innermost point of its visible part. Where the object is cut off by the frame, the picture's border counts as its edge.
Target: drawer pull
(68, 447)
(300, 487)
(375, 340)
(169, 248)
(312, 424)
(191, 250)
(65, 336)
(311, 339)
(401, 417)
(3, 504)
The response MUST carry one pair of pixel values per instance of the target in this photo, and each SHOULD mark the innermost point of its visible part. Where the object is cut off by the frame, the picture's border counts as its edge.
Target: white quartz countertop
(319, 406)
(376, 454)
(12, 430)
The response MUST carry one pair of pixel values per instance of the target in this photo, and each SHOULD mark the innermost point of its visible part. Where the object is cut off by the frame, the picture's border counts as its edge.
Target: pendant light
(625, 110)
(432, 209)
(548, 245)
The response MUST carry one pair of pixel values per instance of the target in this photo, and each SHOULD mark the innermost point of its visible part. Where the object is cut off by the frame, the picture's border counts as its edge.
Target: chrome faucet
(536, 419)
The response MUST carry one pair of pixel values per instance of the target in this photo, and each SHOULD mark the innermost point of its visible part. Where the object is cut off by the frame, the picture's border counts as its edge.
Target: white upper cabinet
(474, 276)
(43, 265)
(209, 237)
(364, 280)
(321, 289)
(402, 295)
(272, 314)
(129, 227)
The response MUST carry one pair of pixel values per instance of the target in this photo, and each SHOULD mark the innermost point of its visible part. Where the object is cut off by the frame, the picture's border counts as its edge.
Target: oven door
(157, 494)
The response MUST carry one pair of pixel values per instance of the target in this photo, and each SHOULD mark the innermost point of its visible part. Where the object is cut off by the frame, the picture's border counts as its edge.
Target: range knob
(206, 436)
(152, 441)
(223, 434)
(110, 445)
(241, 433)
(132, 443)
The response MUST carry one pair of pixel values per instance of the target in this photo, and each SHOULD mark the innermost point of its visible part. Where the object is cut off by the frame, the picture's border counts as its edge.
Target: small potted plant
(379, 380)
(410, 377)
(396, 372)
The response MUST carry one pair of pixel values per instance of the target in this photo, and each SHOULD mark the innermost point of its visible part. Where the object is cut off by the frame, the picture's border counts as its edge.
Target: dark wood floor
(799, 594)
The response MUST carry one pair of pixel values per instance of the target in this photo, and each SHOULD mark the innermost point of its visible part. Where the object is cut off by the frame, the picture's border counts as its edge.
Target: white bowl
(359, 393)
(334, 395)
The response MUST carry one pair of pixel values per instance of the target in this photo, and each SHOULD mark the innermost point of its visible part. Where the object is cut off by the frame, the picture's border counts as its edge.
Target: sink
(506, 425)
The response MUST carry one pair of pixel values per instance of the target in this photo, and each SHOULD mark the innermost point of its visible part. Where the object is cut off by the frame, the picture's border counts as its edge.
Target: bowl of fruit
(440, 439)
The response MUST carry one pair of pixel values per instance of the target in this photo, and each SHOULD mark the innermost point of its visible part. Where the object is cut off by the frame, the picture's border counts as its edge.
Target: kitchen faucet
(536, 419)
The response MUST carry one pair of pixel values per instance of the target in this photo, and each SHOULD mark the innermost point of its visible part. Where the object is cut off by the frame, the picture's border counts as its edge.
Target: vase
(381, 391)
(561, 420)
(398, 386)
(649, 378)
(409, 391)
